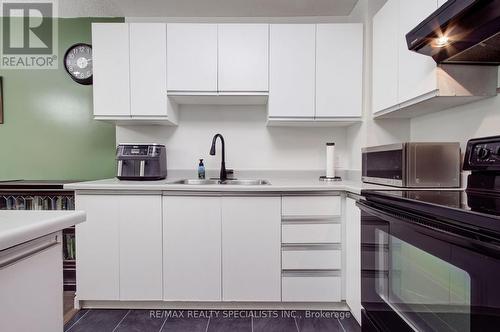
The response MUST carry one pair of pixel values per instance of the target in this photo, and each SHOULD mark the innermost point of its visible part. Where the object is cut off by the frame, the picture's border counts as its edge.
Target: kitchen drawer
(311, 233)
(311, 259)
(310, 206)
(311, 288)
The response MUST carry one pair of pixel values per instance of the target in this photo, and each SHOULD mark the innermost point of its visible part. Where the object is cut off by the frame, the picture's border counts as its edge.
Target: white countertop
(17, 227)
(281, 181)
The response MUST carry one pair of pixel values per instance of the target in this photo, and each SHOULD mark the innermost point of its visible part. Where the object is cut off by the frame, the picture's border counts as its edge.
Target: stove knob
(483, 153)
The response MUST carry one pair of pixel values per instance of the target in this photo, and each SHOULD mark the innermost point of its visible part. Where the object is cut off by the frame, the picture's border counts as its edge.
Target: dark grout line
(342, 326)
(162, 325)
(296, 325)
(121, 320)
(72, 325)
(208, 323)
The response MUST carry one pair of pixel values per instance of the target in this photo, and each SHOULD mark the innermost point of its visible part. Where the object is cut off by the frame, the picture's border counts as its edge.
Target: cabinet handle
(311, 246)
(311, 273)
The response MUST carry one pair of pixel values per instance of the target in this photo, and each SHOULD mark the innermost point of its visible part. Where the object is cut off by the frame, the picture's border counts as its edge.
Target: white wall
(250, 144)
(460, 124)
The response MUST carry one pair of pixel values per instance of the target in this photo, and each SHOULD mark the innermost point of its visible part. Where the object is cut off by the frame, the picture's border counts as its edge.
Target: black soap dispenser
(201, 170)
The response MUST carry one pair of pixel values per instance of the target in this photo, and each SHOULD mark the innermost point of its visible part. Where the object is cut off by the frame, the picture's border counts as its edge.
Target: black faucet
(223, 172)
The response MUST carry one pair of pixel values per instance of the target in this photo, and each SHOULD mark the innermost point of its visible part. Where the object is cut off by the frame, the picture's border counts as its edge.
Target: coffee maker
(141, 162)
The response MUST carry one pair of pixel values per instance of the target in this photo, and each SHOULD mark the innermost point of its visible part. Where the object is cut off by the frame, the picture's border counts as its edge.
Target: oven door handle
(431, 227)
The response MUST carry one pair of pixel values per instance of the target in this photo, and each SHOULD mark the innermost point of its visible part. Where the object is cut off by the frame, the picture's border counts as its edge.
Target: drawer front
(311, 259)
(311, 206)
(311, 289)
(311, 233)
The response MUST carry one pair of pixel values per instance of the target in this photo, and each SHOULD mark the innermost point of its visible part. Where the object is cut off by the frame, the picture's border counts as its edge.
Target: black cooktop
(474, 210)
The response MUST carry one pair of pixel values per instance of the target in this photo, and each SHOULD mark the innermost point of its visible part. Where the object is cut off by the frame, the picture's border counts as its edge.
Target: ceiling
(205, 8)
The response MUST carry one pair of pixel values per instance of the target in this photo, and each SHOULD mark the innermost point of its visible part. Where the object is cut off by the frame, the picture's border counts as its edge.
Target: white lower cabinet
(31, 287)
(353, 261)
(251, 269)
(211, 248)
(98, 258)
(310, 259)
(192, 248)
(311, 233)
(311, 288)
(311, 253)
(140, 225)
(119, 247)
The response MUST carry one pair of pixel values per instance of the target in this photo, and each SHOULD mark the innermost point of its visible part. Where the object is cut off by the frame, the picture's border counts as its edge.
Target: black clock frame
(83, 81)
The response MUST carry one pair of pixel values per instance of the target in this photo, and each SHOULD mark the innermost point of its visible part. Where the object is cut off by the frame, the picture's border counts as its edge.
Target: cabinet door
(251, 268)
(148, 69)
(385, 57)
(353, 261)
(192, 248)
(110, 54)
(243, 57)
(192, 57)
(31, 293)
(97, 269)
(140, 239)
(292, 70)
(339, 70)
(417, 72)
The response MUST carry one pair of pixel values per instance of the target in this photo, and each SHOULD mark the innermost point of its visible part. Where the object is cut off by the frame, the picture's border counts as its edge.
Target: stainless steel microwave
(413, 165)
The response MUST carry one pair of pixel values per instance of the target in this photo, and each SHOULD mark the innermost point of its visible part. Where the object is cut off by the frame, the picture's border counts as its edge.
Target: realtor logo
(29, 34)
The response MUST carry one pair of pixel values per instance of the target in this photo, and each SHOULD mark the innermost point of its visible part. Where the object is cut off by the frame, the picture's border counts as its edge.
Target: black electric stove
(430, 259)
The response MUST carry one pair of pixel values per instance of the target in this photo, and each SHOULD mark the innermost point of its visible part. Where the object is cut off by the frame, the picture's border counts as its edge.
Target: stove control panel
(483, 154)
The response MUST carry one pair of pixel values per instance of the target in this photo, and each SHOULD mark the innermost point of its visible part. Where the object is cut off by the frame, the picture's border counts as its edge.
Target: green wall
(48, 131)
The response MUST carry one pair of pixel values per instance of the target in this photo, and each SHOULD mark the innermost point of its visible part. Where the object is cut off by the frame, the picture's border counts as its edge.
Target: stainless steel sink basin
(196, 182)
(248, 182)
(242, 182)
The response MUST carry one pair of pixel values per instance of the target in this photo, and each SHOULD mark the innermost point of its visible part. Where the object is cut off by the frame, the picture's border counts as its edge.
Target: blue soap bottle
(201, 170)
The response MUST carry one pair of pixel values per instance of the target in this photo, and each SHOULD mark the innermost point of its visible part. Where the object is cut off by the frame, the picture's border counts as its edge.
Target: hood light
(441, 41)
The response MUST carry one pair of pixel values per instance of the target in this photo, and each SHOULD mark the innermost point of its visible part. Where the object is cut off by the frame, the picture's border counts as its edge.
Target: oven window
(426, 291)
(383, 164)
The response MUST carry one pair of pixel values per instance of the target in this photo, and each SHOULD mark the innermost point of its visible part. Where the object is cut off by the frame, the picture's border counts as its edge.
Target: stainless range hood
(460, 32)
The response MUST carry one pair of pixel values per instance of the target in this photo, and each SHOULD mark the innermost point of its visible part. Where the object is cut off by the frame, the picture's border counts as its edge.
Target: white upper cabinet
(192, 57)
(251, 247)
(110, 54)
(339, 70)
(385, 56)
(292, 70)
(130, 73)
(148, 69)
(243, 57)
(407, 84)
(417, 72)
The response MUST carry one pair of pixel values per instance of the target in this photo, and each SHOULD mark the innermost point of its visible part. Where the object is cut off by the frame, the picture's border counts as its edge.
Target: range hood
(460, 32)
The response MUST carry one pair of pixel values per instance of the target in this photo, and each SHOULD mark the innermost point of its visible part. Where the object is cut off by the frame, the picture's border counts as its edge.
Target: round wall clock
(78, 63)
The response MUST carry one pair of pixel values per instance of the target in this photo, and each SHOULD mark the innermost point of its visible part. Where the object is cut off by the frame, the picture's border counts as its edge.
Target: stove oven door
(420, 274)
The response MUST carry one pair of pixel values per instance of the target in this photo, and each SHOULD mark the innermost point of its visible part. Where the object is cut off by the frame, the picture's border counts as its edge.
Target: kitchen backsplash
(250, 144)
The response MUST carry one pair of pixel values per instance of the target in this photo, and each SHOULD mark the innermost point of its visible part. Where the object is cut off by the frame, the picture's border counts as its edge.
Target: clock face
(78, 63)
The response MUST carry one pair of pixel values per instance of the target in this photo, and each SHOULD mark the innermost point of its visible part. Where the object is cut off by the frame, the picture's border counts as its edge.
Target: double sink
(242, 182)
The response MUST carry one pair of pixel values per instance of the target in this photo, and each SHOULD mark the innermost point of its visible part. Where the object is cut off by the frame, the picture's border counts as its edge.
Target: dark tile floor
(100, 320)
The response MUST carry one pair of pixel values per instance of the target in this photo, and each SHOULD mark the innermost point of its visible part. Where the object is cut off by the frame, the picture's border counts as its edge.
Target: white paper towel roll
(330, 160)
